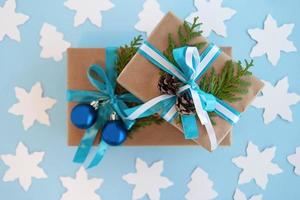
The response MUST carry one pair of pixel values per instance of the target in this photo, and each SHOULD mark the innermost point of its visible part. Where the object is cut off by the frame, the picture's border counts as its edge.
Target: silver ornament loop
(113, 116)
(100, 102)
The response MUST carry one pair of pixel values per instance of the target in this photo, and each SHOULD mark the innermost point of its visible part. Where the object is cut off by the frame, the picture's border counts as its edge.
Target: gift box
(79, 60)
(146, 75)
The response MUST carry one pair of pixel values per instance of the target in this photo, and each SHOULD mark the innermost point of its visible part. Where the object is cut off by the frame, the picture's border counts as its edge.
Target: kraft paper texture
(146, 76)
(79, 60)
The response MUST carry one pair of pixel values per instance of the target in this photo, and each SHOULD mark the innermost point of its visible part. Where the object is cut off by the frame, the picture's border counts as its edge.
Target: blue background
(20, 65)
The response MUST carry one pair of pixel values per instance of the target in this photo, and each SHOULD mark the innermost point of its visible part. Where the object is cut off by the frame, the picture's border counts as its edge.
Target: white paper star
(257, 165)
(200, 186)
(212, 15)
(52, 43)
(88, 9)
(294, 159)
(147, 180)
(276, 101)
(23, 166)
(149, 16)
(32, 106)
(272, 40)
(81, 187)
(10, 20)
(239, 195)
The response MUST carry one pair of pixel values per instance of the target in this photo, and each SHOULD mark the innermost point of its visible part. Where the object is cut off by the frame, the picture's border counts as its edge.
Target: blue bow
(191, 67)
(105, 83)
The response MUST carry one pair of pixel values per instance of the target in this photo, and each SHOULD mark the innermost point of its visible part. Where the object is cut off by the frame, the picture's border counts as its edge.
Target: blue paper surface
(21, 65)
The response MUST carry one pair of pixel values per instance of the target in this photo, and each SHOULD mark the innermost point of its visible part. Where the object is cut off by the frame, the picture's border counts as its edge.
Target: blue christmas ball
(83, 116)
(114, 132)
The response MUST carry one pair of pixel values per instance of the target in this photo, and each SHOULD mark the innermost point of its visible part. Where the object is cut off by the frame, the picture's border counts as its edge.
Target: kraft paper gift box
(79, 60)
(146, 77)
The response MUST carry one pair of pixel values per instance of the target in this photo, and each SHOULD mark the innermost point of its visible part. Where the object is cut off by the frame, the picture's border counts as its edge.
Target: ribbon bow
(105, 83)
(191, 67)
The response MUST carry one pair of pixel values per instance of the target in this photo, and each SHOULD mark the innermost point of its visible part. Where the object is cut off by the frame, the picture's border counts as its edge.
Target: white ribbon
(146, 106)
(195, 67)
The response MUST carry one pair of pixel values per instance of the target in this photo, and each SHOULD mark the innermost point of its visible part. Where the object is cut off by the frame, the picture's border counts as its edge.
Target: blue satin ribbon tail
(189, 125)
(105, 83)
(99, 154)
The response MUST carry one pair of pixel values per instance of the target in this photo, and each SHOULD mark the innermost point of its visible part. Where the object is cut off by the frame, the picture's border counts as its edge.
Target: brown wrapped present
(79, 60)
(146, 77)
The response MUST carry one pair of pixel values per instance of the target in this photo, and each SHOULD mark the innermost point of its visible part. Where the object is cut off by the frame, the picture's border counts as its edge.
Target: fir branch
(230, 84)
(186, 33)
(143, 122)
(124, 55)
(126, 52)
(169, 51)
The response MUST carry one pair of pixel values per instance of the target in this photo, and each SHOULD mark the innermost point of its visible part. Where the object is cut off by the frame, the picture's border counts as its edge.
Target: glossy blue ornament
(83, 116)
(114, 132)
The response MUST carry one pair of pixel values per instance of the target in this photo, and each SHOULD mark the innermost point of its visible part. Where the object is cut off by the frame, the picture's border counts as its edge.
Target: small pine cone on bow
(168, 84)
(185, 104)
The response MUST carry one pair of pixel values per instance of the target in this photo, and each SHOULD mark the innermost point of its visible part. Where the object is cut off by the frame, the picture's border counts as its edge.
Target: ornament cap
(97, 103)
(113, 116)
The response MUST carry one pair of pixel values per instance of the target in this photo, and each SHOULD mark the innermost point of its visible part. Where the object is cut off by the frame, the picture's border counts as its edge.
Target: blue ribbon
(191, 66)
(105, 83)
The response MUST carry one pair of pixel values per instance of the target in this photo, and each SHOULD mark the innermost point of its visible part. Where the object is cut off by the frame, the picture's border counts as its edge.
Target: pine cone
(168, 84)
(185, 104)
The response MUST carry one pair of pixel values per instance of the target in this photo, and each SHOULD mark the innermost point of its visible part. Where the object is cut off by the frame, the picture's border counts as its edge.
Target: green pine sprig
(127, 51)
(186, 33)
(144, 122)
(229, 85)
(124, 55)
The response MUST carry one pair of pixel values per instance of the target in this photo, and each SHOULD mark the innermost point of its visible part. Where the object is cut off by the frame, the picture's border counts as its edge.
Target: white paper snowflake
(149, 16)
(147, 180)
(52, 43)
(81, 187)
(200, 186)
(23, 166)
(239, 195)
(257, 165)
(32, 106)
(10, 20)
(276, 101)
(272, 40)
(88, 9)
(212, 15)
(294, 159)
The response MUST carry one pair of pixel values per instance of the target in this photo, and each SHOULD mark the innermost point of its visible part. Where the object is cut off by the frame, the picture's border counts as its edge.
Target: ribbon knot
(191, 66)
(210, 102)
(113, 98)
(105, 83)
(193, 85)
